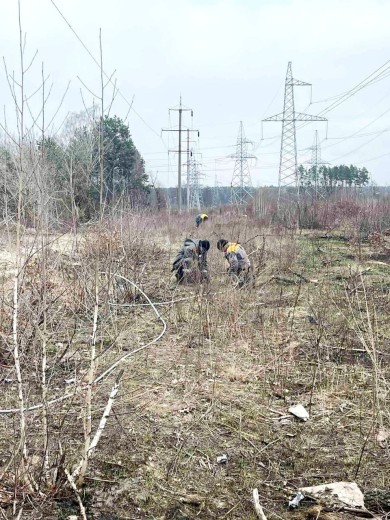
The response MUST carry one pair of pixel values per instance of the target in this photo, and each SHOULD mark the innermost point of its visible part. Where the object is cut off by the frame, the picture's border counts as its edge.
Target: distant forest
(94, 162)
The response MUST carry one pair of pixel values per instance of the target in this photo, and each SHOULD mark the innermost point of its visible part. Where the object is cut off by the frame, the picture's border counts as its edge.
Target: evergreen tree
(124, 168)
(330, 177)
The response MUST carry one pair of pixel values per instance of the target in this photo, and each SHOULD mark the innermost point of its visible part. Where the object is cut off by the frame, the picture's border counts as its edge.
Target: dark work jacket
(190, 250)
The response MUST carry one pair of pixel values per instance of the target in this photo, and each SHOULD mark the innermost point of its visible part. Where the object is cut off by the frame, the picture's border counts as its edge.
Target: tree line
(92, 157)
(331, 177)
(94, 161)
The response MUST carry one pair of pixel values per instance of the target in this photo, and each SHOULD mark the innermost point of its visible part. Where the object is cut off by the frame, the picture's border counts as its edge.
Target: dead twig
(358, 512)
(300, 276)
(74, 487)
(259, 510)
(92, 447)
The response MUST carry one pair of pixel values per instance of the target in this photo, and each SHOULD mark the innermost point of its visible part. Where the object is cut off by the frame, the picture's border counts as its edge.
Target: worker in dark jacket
(202, 217)
(235, 255)
(191, 259)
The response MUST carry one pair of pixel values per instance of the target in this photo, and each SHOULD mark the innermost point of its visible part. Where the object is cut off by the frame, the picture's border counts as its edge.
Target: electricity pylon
(288, 166)
(215, 202)
(196, 198)
(241, 182)
(315, 163)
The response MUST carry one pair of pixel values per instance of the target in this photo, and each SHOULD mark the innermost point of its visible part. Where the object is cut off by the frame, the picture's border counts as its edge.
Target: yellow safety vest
(233, 247)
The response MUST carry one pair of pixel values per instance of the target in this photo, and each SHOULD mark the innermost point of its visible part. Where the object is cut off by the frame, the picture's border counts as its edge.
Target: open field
(219, 380)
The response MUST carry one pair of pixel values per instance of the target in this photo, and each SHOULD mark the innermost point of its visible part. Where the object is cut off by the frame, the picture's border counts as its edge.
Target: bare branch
(32, 61)
(259, 510)
(87, 88)
(74, 487)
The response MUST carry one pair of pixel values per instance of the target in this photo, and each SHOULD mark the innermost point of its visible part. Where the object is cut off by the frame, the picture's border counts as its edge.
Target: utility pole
(179, 162)
(180, 109)
(241, 182)
(288, 165)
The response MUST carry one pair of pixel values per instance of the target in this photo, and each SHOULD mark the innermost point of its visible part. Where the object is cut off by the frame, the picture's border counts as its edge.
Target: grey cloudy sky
(228, 60)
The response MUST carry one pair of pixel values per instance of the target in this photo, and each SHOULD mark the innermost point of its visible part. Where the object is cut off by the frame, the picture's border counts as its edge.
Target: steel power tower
(241, 182)
(316, 155)
(196, 198)
(215, 201)
(316, 162)
(288, 166)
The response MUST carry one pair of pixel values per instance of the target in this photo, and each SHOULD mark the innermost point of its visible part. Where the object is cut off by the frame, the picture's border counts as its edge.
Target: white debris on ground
(299, 411)
(348, 493)
(222, 459)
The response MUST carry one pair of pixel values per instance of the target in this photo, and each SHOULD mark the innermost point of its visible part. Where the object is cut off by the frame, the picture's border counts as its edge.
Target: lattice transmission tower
(241, 182)
(288, 166)
(215, 200)
(315, 163)
(316, 153)
(195, 176)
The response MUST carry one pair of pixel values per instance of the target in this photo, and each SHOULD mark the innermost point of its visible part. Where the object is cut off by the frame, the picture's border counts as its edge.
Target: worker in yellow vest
(202, 217)
(236, 256)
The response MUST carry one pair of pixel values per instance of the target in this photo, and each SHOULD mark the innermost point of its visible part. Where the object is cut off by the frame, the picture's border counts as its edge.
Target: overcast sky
(228, 61)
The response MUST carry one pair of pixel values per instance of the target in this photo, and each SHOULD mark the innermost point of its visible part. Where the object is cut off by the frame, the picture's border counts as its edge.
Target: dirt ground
(314, 330)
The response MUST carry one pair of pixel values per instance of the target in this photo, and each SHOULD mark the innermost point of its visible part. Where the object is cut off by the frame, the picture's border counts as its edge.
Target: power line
(205, 148)
(360, 146)
(374, 158)
(109, 78)
(227, 170)
(371, 82)
(349, 94)
(363, 128)
(353, 136)
(354, 90)
(361, 85)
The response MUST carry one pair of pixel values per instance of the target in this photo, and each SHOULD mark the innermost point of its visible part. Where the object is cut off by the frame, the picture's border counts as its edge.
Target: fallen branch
(284, 280)
(259, 510)
(100, 428)
(171, 302)
(363, 350)
(254, 251)
(300, 276)
(88, 396)
(74, 487)
(357, 512)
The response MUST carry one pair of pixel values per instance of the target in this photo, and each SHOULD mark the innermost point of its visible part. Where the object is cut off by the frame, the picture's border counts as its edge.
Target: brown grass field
(219, 381)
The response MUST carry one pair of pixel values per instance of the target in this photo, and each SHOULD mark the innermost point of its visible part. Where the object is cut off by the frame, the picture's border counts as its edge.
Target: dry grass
(222, 377)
